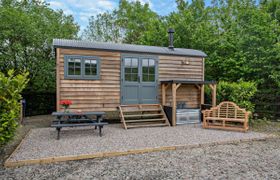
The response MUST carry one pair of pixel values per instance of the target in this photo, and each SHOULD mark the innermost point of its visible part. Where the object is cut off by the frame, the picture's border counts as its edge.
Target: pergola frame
(175, 84)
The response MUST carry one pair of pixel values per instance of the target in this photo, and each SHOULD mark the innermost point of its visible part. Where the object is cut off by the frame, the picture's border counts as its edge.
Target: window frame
(83, 76)
(148, 72)
(131, 71)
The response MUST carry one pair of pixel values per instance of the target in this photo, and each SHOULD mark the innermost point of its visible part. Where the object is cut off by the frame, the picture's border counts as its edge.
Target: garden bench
(77, 119)
(228, 116)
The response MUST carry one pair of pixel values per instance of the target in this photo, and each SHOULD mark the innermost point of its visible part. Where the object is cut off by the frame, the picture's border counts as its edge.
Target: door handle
(138, 78)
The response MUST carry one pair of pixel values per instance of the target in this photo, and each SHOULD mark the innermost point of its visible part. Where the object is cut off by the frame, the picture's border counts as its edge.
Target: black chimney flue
(170, 34)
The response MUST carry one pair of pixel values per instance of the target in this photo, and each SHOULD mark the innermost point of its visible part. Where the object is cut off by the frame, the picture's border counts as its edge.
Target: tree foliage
(131, 23)
(103, 28)
(239, 92)
(10, 88)
(27, 29)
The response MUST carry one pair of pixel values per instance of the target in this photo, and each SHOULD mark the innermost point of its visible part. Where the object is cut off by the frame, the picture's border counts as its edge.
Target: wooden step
(144, 120)
(140, 105)
(143, 115)
(141, 110)
(146, 125)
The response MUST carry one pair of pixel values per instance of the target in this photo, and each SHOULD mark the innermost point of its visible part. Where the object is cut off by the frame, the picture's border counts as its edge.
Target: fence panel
(39, 103)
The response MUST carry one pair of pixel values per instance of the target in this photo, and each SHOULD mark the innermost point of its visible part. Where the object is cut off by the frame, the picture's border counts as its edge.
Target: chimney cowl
(171, 38)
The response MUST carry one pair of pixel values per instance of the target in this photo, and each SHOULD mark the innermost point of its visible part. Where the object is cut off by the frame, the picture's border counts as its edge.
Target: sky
(82, 10)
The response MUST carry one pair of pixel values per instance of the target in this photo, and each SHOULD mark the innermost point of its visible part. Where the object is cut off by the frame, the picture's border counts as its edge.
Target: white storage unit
(188, 116)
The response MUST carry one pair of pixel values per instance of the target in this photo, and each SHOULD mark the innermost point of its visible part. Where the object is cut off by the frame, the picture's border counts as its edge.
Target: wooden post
(163, 95)
(174, 88)
(214, 95)
(202, 94)
(57, 79)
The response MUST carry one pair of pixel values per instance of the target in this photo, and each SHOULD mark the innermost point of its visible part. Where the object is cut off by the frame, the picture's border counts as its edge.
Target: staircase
(142, 115)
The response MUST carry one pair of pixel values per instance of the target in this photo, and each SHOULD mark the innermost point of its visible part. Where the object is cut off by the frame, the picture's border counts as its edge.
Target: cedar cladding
(182, 68)
(93, 95)
(104, 94)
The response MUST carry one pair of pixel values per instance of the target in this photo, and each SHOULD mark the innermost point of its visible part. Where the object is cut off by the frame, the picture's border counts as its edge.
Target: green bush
(10, 88)
(240, 93)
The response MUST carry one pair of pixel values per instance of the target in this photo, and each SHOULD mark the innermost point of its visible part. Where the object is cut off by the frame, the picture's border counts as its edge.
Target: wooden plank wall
(182, 68)
(92, 95)
(104, 94)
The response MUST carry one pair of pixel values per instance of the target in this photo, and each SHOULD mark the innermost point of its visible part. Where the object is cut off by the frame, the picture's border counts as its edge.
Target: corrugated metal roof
(126, 47)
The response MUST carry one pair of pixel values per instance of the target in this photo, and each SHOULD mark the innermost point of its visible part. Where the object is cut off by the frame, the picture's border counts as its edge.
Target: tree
(192, 24)
(244, 48)
(103, 28)
(131, 22)
(27, 30)
(137, 21)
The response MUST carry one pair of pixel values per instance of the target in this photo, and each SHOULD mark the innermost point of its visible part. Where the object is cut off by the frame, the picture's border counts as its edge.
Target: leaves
(10, 88)
(27, 30)
(239, 92)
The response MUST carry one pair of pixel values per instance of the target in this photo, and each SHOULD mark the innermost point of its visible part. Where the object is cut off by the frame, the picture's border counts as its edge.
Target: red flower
(65, 102)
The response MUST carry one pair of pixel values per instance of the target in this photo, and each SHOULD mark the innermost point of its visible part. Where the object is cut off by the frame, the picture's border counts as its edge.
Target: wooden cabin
(102, 76)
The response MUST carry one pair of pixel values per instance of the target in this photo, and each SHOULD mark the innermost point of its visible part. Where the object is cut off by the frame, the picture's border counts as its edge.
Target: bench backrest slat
(227, 110)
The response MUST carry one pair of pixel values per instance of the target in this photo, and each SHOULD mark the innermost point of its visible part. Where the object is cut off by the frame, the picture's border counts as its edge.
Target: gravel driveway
(250, 160)
(42, 143)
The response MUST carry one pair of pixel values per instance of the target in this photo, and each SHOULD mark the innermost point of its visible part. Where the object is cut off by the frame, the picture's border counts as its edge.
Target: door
(139, 80)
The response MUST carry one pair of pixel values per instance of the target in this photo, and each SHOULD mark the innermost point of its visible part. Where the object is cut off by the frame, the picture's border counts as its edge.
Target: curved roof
(66, 43)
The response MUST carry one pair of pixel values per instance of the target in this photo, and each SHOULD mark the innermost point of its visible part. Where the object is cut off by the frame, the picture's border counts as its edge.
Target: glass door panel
(148, 70)
(131, 69)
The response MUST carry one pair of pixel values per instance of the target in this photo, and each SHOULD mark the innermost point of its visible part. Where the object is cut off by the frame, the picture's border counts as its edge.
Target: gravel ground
(29, 123)
(250, 160)
(42, 143)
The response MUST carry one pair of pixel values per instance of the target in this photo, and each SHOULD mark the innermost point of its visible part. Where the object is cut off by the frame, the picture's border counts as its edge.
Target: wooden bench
(228, 116)
(77, 119)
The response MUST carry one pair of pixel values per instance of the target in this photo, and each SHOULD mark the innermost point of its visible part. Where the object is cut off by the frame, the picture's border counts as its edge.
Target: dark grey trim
(82, 76)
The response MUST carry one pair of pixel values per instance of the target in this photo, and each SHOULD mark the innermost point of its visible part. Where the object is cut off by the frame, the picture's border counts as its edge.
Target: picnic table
(77, 119)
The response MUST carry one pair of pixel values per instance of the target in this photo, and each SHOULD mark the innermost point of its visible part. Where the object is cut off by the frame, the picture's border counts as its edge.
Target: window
(74, 66)
(131, 69)
(148, 70)
(90, 67)
(81, 67)
(137, 68)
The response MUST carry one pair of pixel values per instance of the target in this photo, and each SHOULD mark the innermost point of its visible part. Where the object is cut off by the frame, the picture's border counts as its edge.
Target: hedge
(10, 88)
(240, 93)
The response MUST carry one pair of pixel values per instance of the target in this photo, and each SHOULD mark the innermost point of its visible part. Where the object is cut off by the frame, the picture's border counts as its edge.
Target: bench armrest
(206, 113)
